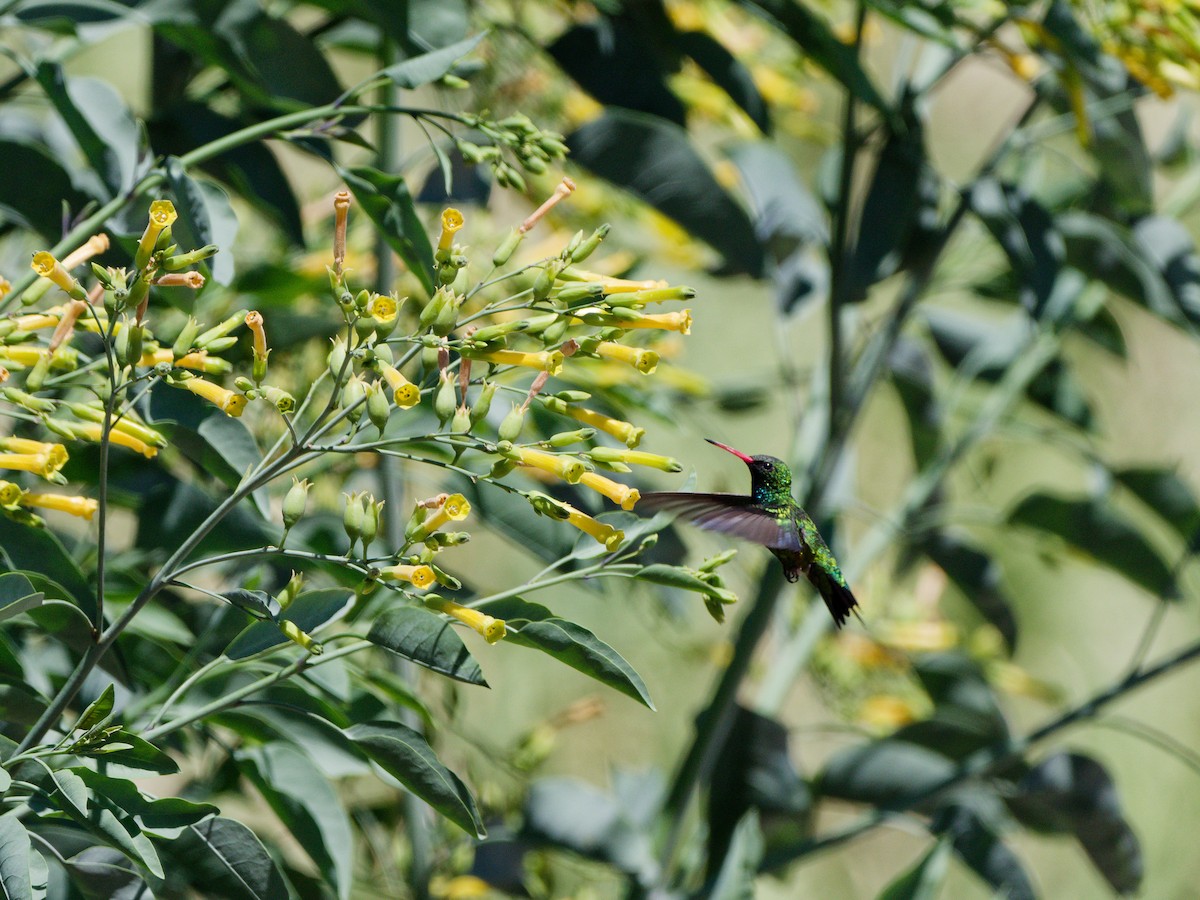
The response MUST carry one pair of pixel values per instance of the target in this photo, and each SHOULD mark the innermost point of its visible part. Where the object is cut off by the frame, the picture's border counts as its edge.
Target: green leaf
(977, 575)
(889, 774)
(981, 848)
(98, 710)
(427, 640)
(283, 62)
(1092, 527)
(1072, 793)
(104, 819)
(739, 866)
(36, 199)
(100, 122)
(38, 550)
(127, 752)
(309, 611)
(405, 755)
(614, 61)
(727, 72)
(814, 37)
(924, 880)
(388, 203)
(412, 73)
(655, 161)
(308, 805)
(15, 882)
(911, 371)
(258, 604)
(228, 859)
(164, 817)
(1166, 495)
(19, 703)
(569, 643)
(17, 595)
(205, 217)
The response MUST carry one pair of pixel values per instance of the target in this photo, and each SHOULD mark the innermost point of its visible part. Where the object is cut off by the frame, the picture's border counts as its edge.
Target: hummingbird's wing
(735, 514)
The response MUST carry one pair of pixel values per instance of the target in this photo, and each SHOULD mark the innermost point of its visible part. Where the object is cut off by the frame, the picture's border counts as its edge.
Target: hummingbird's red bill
(738, 453)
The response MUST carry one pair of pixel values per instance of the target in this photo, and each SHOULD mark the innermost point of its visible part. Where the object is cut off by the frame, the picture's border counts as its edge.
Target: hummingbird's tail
(836, 595)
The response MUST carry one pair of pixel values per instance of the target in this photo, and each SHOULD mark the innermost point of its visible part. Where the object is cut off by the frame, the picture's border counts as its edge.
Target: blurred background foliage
(946, 263)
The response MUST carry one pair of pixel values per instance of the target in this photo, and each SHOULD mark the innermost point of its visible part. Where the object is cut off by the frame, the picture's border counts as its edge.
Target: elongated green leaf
(978, 845)
(813, 35)
(284, 62)
(38, 550)
(127, 751)
(405, 755)
(36, 199)
(1095, 529)
(727, 72)
(105, 820)
(886, 773)
(309, 611)
(427, 640)
(15, 883)
(17, 595)
(412, 73)
(307, 804)
(655, 160)
(226, 858)
(20, 703)
(387, 200)
(614, 61)
(569, 643)
(1167, 496)
(924, 880)
(163, 817)
(977, 576)
(98, 710)
(1070, 792)
(205, 217)
(739, 868)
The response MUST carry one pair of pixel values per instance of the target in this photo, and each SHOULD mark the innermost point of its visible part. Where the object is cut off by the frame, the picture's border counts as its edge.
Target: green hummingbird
(767, 516)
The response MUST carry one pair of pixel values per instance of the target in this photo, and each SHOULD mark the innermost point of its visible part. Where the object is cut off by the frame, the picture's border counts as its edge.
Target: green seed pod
(295, 502)
(364, 327)
(445, 400)
(378, 407)
(483, 403)
(353, 395)
(461, 422)
(186, 340)
(37, 375)
(337, 358)
(353, 518)
(587, 247)
(566, 438)
(372, 510)
(510, 428)
(507, 247)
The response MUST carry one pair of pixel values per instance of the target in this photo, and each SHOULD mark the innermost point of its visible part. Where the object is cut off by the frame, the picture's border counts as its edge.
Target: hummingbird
(769, 516)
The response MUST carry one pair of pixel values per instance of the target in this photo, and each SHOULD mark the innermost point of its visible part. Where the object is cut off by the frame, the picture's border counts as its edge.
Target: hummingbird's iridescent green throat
(767, 516)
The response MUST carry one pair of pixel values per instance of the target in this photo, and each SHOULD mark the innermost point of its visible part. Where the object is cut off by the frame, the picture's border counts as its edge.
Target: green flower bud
(382, 353)
(447, 317)
(449, 538)
(219, 331)
(555, 333)
(283, 401)
(587, 247)
(507, 247)
(290, 591)
(372, 514)
(186, 340)
(461, 422)
(221, 344)
(502, 467)
(337, 357)
(572, 396)
(566, 438)
(433, 308)
(494, 332)
(27, 401)
(120, 350)
(545, 279)
(510, 427)
(173, 263)
(588, 292)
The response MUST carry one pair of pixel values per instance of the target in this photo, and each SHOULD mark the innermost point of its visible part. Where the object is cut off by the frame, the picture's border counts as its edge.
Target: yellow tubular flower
(229, 402)
(454, 508)
(44, 464)
(34, 321)
(27, 445)
(636, 458)
(10, 494)
(626, 432)
(193, 280)
(546, 360)
(162, 215)
(680, 321)
(419, 577)
(84, 507)
(452, 221)
(663, 294)
(91, 431)
(568, 468)
(23, 354)
(610, 537)
(93, 246)
(45, 264)
(621, 494)
(254, 321)
(490, 628)
(645, 361)
(198, 360)
(405, 394)
(383, 309)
